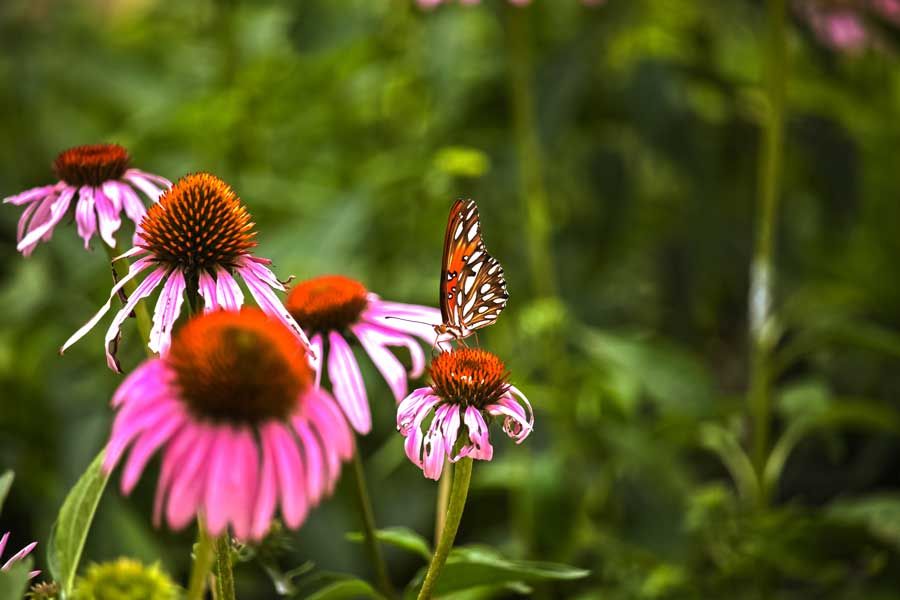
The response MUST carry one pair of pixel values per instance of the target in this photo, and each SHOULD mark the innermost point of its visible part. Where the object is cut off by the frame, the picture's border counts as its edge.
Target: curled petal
(480, 447)
(143, 290)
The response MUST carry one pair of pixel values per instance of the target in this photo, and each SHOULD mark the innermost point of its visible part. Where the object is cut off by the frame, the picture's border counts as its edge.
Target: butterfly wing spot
(458, 233)
(484, 289)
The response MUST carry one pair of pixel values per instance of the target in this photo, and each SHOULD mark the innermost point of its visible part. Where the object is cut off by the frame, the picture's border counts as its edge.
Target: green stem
(532, 188)
(443, 499)
(120, 267)
(368, 523)
(225, 577)
(203, 558)
(761, 321)
(462, 474)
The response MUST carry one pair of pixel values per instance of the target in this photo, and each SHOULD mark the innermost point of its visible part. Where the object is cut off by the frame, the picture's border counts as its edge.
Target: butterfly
(472, 288)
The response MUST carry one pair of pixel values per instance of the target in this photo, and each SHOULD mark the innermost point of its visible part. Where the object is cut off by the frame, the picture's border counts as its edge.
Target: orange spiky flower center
(469, 377)
(239, 367)
(327, 303)
(92, 164)
(199, 223)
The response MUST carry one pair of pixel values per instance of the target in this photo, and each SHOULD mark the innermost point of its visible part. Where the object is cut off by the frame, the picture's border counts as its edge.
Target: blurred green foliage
(349, 126)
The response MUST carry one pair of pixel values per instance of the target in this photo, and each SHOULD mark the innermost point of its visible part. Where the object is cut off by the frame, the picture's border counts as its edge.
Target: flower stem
(120, 270)
(443, 499)
(462, 474)
(368, 523)
(762, 330)
(203, 558)
(225, 577)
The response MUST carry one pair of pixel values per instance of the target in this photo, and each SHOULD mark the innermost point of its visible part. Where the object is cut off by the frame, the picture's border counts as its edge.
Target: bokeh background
(614, 152)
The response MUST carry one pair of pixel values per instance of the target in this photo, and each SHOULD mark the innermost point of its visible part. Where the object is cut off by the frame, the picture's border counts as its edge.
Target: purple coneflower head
(334, 310)
(196, 240)
(105, 185)
(241, 427)
(469, 388)
(17, 556)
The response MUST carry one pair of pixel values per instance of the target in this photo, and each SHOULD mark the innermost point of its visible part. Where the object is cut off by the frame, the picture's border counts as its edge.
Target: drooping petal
(388, 365)
(86, 216)
(317, 481)
(154, 178)
(480, 447)
(131, 203)
(267, 492)
(434, 451)
(57, 212)
(228, 292)
(135, 268)
(143, 184)
(168, 307)
(248, 483)
(175, 454)
(329, 422)
(145, 446)
(107, 216)
(18, 556)
(450, 428)
(143, 290)
(189, 483)
(412, 405)
(347, 383)
(518, 423)
(31, 195)
(290, 470)
(261, 290)
(224, 480)
(144, 380)
(207, 288)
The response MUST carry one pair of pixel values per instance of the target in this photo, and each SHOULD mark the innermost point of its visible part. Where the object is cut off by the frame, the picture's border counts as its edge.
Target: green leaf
(880, 514)
(399, 537)
(6, 481)
(14, 581)
(471, 567)
(348, 588)
(724, 443)
(73, 523)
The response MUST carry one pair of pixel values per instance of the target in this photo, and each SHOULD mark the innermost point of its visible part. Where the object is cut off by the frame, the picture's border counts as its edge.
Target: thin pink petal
(175, 454)
(57, 212)
(86, 216)
(291, 473)
(144, 448)
(261, 290)
(136, 178)
(347, 383)
(228, 292)
(136, 267)
(185, 496)
(107, 217)
(168, 307)
(30, 195)
(144, 289)
(224, 478)
(207, 288)
(388, 365)
(267, 493)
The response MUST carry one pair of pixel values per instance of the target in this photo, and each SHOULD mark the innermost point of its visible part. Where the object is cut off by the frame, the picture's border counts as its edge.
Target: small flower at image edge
(125, 579)
(469, 388)
(101, 176)
(241, 427)
(332, 308)
(17, 556)
(196, 239)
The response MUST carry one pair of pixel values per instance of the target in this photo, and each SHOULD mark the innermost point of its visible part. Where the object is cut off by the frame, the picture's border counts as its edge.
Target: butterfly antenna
(409, 320)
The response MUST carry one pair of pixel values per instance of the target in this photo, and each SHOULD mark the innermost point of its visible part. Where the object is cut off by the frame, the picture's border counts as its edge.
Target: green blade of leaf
(73, 523)
(6, 481)
(348, 588)
(471, 567)
(14, 580)
(399, 537)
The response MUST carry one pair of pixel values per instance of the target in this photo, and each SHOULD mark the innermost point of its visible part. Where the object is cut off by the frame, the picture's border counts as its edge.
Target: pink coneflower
(331, 308)
(241, 427)
(846, 25)
(105, 184)
(195, 240)
(17, 556)
(469, 388)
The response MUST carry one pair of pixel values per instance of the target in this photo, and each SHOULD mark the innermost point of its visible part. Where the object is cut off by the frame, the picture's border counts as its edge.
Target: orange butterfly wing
(473, 290)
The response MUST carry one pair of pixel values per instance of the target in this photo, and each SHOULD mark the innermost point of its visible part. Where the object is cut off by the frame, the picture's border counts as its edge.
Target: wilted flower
(17, 556)
(469, 388)
(125, 579)
(240, 424)
(195, 240)
(105, 184)
(847, 25)
(332, 308)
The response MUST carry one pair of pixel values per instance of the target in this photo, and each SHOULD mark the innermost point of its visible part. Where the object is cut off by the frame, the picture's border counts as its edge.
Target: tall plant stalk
(762, 271)
(368, 522)
(462, 475)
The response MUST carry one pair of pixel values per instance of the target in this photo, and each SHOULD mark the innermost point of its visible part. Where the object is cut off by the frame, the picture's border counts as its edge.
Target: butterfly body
(472, 288)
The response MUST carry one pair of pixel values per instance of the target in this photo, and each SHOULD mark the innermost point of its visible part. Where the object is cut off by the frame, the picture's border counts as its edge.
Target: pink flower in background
(334, 310)
(17, 556)
(195, 240)
(846, 25)
(241, 427)
(105, 185)
(469, 388)
(434, 3)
